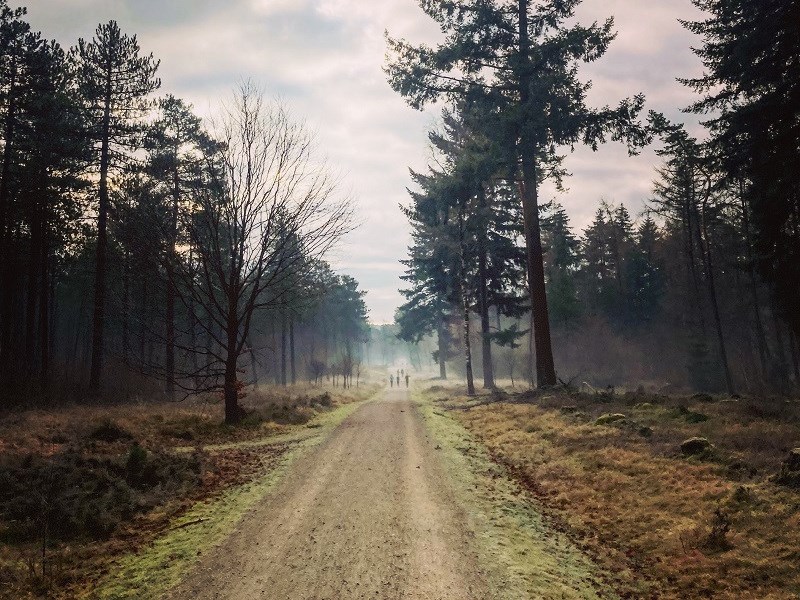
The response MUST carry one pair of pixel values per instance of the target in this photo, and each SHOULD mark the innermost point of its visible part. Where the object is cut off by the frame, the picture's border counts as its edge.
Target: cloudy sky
(324, 58)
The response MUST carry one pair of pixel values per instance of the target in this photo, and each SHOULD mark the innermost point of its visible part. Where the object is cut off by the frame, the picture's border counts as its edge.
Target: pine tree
(115, 83)
(175, 141)
(518, 60)
(751, 86)
(646, 274)
(561, 263)
(18, 45)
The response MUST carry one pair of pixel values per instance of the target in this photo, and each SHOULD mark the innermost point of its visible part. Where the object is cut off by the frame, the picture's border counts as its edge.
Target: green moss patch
(524, 556)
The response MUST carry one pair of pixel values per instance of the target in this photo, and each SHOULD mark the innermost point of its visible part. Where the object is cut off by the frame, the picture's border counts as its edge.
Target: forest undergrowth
(676, 496)
(84, 487)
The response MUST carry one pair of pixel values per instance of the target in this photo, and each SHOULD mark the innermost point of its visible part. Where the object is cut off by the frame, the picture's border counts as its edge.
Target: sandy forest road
(368, 514)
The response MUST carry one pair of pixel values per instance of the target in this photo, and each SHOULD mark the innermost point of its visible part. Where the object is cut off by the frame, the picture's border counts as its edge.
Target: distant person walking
(407, 378)
(391, 381)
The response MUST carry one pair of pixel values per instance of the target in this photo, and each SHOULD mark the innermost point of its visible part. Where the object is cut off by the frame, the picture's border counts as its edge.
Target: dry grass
(714, 526)
(277, 419)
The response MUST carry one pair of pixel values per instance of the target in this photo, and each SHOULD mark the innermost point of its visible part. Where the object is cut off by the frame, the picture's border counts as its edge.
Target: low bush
(71, 496)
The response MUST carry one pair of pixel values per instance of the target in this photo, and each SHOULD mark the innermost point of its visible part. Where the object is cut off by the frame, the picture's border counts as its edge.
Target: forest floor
(611, 472)
(422, 494)
(85, 490)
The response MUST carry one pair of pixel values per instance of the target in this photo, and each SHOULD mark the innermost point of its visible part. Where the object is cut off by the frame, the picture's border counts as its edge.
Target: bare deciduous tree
(271, 208)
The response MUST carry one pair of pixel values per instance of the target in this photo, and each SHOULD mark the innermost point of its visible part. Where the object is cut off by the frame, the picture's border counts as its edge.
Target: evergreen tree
(561, 263)
(175, 141)
(646, 274)
(751, 87)
(519, 61)
(115, 83)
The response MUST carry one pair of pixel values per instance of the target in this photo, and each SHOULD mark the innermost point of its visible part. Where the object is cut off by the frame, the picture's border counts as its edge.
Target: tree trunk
(98, 319)
(232, 412)
(144, 308)
(292, 353)
(7, 253)
(545, 367)
(795, 356)
(44, 309)
(531, 352)
(253, 364)
(32, 296)
(483, 297)
(171, 258)
(465, 309)
(712, 290)
(442, 353)
(779, 343)
(763, 352)
(126, 307)
(284, 335)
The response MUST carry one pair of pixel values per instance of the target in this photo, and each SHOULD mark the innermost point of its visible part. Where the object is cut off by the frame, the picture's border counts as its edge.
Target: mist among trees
(147, 250)
(697, 291)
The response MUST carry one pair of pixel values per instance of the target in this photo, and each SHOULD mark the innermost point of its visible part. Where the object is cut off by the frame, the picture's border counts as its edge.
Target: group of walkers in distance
(398, 379)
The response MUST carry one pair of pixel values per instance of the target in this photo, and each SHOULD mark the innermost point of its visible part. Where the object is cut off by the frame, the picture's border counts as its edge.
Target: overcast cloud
(324, 58)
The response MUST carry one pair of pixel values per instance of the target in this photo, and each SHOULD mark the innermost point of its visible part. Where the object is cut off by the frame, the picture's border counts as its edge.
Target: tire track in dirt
(370, 513)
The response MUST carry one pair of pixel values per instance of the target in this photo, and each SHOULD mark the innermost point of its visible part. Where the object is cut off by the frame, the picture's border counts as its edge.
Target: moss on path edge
(523, 556)
(154, 570)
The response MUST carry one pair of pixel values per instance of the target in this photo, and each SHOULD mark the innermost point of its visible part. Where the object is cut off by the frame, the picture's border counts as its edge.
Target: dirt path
(368, 514)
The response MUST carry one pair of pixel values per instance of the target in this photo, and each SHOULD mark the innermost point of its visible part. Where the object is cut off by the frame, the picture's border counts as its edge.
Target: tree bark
(126, 307)
(253, 364)
(442, 352)
(32, 296)
(284, 336)
(44, 308)
(7, 254)
(545, 367)
(465, 308)
(763, 351)
(98, 319)
(173, 237)
(712, 290)
(795, 356)
(483, 297)
(293, 366)
(232, 411)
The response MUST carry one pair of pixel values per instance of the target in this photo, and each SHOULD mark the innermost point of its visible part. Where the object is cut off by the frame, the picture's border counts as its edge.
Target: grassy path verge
(525, 558)
(150, 573)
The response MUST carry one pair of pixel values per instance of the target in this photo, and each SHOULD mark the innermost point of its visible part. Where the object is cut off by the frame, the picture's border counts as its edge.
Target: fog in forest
(412, 311)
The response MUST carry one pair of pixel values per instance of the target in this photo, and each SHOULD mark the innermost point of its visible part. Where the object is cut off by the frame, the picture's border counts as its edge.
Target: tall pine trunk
(32, 296)
(464, 307)
(171, 258)
(253, 362)
(7, 253)
(45, 292)
(99, 318)
(712, 290)
(545, 367)
(284, 336)
(483, 296)
(763, 351)
(442, 348)
(293, 366)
